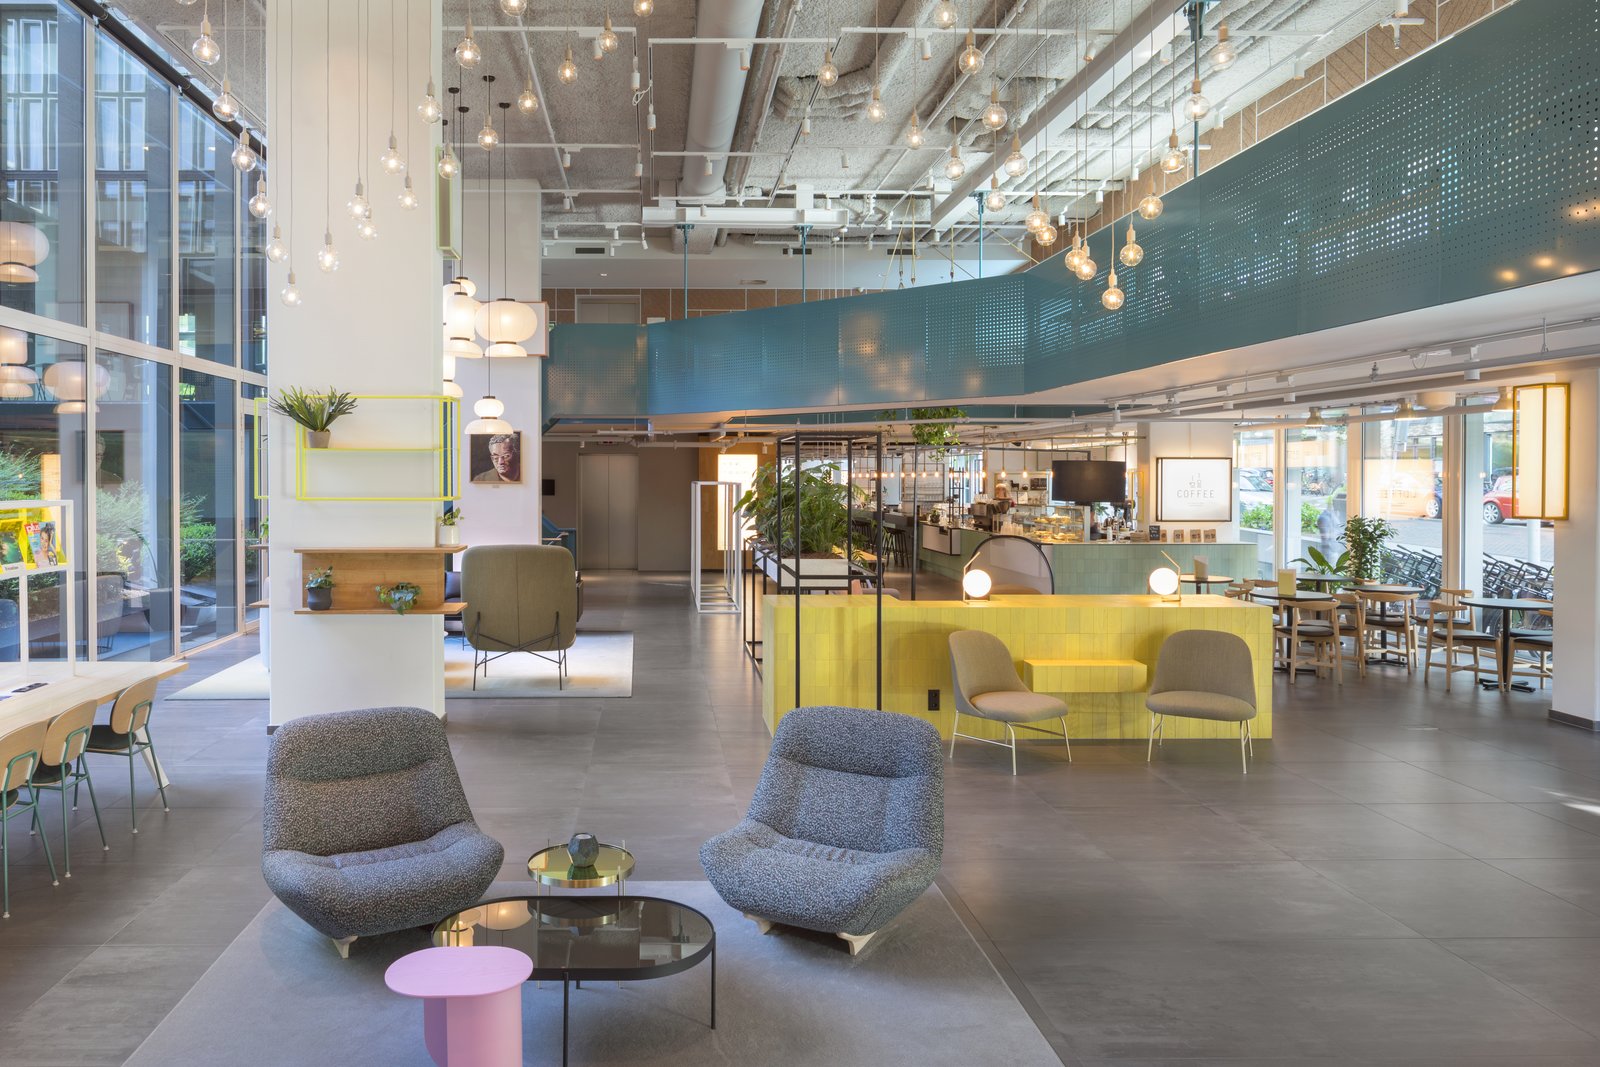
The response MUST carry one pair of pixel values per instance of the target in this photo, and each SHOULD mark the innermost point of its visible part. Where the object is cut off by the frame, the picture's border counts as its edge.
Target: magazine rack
(36, 542)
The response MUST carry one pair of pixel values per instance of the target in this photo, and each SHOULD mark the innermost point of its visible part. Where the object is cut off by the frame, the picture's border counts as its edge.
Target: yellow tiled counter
(1085, 675)
(836, 634)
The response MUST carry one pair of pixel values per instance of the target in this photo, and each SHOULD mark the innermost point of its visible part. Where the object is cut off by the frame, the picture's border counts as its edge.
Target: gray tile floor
(1406, 876)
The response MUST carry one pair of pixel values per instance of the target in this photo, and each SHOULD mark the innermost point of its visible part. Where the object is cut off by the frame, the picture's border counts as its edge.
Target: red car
(1497, 501)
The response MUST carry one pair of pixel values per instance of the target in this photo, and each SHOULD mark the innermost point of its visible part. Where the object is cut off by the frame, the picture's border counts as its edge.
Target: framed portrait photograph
(1198, 489)
(495, 458)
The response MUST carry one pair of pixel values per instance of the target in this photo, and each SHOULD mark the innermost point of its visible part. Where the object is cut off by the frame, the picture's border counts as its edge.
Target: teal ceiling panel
(1470, 169)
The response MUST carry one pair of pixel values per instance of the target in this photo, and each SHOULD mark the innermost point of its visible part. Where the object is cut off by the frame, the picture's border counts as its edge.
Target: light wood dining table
(66, 687)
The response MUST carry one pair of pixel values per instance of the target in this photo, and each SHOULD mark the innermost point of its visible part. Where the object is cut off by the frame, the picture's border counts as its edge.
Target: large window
(253, 285)
(255, 514)
(206, 202)
(207, 545)
(133, 198)
(1314, 492)
(133, 510)
(42, 161)
(1402, 481)
(1502, 556)
(1254, 463)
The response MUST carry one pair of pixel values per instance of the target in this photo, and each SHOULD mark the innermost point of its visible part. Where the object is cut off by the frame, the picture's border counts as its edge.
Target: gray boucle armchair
(846, 828)
(366, 828)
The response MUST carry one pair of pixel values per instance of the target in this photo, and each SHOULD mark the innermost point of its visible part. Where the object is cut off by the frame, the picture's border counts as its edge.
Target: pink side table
(471, 1002)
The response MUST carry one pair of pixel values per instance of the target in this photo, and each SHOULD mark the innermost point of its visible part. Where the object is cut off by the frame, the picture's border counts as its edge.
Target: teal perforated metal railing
(1473, 168)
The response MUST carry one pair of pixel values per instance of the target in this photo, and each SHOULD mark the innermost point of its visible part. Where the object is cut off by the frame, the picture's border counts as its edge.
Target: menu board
(1194, 489)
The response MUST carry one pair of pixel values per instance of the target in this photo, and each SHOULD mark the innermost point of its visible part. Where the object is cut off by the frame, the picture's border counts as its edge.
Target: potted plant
(821, 503)
(450, 528)
(401, 596)
(1364, 538)
(316, 412)
(319, 590)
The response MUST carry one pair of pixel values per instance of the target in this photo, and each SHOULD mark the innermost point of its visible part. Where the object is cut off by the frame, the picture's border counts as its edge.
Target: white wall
(1186, 440)
(1576, 692)
(503, 514)
(371, 327)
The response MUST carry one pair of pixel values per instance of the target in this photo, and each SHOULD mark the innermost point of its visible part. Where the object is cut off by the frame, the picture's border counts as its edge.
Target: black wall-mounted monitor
(1089, 481)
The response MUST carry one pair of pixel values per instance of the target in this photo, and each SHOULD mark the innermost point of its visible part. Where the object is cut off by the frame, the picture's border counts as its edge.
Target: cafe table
(1204, 583)
(1505, 606)
(41, 690)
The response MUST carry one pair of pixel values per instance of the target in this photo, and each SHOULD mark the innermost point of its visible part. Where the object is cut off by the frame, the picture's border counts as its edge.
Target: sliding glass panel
(133, 510)
(1253, 467)
(206, 202)
(133, 198)
(207, 538)
(1402, 481)
(42, 161)
(1315, 504)
(41, 457)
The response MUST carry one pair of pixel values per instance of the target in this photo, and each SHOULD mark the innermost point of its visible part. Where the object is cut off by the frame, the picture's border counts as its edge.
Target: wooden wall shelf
(358, 572)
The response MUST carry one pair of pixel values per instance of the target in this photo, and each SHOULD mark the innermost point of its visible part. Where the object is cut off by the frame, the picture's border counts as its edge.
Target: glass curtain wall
(42, 170)
(1503, 556)
(207, 199)
(1314, 494)
(133, 197)
(1402, 481)
(207, 546)
(254, 510)
(253, 285)
(1255, 463)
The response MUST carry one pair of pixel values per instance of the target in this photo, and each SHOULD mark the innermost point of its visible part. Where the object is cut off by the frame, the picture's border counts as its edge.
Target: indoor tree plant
(450, 527)
(317, 412)
(319, 589)
(824, 508)
(1364, 538)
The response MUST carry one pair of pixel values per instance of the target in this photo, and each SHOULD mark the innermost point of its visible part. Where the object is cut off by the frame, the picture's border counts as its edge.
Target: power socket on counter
(933, 700)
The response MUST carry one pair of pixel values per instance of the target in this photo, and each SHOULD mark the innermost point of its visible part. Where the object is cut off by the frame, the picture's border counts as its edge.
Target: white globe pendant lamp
(488, 410)
(68, 382)
(460, 317)
(505, 324)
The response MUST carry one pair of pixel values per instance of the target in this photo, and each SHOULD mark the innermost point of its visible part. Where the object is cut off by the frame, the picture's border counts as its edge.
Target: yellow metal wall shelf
(441, 433)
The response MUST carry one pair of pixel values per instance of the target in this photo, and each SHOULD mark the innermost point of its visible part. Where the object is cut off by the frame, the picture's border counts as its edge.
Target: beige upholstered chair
(1203, 674)
(987, 686)
(520, 598)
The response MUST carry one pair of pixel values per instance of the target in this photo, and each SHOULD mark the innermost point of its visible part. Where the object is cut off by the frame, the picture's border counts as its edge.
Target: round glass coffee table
(598, 938)
(552, 868)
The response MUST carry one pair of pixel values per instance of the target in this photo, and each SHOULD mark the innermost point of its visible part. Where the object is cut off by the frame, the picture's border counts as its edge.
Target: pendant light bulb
(1046, 235)
(1132, 252)
(205, 48)
(1016, 164)
(1150, 206)
(568, 71)
(1173, 161)
(875, 109)
(449, 165)
(408, 196)
(358, 207)
(945, 14)
(955, 166)
(827, 74)
(260, 206)
(1037, 219)
(643, 8)
(1197, 106)
(994, 114)
(608, 37)
(429, 109)
(327, 255)
(914, 136)
(1086, 268)
(488, 137)
(468, 54)
(244, 157)
(514, 8)
(1113, 297)
(290, 293)
(226, 106)
(1223, 56)
(996, 200)
(971, 60)
(527, 100)
(1075, 252)
(276, 250)
(392, 161)
(366, 230)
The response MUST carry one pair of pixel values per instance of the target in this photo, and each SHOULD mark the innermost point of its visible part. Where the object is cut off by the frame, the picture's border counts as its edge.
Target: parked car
(1497, 501)
(1254, 489)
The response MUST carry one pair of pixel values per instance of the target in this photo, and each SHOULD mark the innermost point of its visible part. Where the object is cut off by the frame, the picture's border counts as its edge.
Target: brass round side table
(552, 868)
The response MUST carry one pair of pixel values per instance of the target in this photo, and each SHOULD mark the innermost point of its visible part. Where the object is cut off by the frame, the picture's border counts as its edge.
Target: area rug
(923, 993)
(600, 664)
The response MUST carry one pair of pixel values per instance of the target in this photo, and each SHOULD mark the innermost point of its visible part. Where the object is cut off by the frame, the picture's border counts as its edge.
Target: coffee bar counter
(1096, 652)
(1094, 567)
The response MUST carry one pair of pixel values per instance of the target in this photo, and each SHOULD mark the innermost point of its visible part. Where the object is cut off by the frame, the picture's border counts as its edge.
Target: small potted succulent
(401, 596)
(315, 411)
(319, 590)
(450, 528)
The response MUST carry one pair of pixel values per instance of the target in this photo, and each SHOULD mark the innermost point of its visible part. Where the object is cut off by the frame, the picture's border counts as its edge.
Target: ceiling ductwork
(715, 92)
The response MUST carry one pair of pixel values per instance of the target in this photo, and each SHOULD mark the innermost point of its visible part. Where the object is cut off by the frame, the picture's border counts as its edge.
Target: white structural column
(1575, 697)
(372, 327)
(500, 234)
